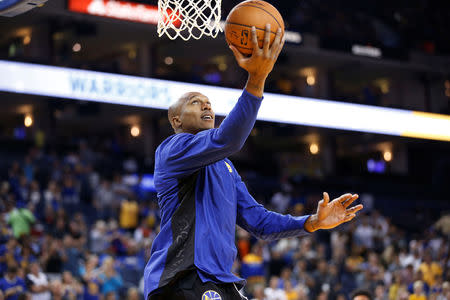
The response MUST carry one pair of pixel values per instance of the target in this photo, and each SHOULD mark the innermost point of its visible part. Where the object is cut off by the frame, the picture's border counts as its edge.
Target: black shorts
(191, 287)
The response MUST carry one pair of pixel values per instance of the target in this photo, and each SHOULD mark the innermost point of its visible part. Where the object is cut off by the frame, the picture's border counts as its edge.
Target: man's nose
(206, 106)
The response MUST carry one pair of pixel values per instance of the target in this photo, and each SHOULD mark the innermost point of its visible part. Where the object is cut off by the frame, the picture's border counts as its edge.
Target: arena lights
(26, 40)
(311, 80)
(28, 121)
(76, 47)
(387, 155)
(314, 148)
(168, 60)
(135, 131)
(154, 93)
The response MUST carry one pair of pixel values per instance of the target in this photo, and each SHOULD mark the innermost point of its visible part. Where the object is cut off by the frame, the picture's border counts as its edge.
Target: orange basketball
(247, 14)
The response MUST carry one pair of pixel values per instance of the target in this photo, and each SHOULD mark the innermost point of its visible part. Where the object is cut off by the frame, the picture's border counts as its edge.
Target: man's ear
(176, 122)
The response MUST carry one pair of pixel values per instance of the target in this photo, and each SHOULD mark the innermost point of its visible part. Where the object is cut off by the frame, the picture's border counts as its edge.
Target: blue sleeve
(185, 153)
(264, 224)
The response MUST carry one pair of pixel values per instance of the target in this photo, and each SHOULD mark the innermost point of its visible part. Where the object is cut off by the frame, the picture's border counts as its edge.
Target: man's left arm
(268, 225)
(262, 223)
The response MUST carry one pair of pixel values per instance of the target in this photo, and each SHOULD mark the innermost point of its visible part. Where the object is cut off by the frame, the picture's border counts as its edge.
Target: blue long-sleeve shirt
(202, 198)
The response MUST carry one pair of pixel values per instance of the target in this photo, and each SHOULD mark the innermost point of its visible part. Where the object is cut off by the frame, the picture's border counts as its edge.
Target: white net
(189, 18)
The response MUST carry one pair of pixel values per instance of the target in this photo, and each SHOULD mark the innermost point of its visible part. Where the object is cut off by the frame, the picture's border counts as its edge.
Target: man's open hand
(331, 214)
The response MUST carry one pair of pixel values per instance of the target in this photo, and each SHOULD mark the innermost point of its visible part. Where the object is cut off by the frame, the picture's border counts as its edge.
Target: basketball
(247, 14)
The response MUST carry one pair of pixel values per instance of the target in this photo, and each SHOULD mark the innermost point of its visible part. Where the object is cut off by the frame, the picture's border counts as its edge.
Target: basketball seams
(257, 28)
(268, 12)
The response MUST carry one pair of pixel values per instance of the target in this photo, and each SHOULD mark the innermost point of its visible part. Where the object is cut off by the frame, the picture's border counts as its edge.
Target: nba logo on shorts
(211, 295)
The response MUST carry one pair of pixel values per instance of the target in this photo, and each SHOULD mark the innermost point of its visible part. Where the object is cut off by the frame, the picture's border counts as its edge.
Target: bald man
(202, 196)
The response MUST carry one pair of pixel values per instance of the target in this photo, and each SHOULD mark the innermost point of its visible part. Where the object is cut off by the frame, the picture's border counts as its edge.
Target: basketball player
(202, 196)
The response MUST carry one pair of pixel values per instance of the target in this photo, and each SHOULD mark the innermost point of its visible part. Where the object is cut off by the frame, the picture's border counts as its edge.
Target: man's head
(361, 295)
(11, 271)
(192, 113)
(34, 268)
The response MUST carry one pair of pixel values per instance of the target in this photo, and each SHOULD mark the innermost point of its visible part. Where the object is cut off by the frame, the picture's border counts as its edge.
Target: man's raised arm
(185, 153)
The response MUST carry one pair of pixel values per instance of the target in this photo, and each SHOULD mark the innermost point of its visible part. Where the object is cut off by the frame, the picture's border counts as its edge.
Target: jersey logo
(229, 167)
(211, 295)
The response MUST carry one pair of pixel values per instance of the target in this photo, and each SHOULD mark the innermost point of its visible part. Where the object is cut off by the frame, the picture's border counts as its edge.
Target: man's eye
(195, 102)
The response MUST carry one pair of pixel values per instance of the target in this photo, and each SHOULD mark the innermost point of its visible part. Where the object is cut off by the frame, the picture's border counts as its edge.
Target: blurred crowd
(73, 227)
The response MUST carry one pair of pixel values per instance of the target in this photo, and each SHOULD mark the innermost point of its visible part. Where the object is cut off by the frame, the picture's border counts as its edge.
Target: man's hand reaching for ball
(262, 60)
(331, 214)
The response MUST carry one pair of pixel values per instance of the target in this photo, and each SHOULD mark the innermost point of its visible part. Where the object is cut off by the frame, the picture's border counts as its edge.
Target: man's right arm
(186, 153)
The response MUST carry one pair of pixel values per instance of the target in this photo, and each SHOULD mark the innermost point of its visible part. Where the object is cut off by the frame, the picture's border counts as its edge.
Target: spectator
(273, 292)
(53, 256)
(443, 224)
(361, 295)
(73, 253)
(37, 283)
(430, 269)
(419, 293)
(35, 194)
(380, 292)
(52, 195)
(8, 253)
(21, 220)
(321, 276)
(286, 276)
(418, 276)
(291, 293)
(12, 285)
(24, 296)
(72, 288)
(69, 194)
(252, 267)
(129, 214)
(258, 292)
(445, 293)
(133, 294)
(92, 290)
(111, 281)
(99, 239)
(57, 290)
(364, 234)
(395, 287)
(111, 296)
(282, 199)
(143, 232)
(104, 200)
(89, 270)
(120, 190)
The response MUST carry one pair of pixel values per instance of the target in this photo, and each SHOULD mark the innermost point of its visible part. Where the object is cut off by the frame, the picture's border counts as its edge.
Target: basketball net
(189, 18)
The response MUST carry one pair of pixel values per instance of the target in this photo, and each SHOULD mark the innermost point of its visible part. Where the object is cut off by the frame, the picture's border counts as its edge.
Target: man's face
(361, 297)
(195, 114)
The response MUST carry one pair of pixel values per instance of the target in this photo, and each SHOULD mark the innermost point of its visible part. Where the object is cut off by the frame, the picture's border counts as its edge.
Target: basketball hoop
(189, 18)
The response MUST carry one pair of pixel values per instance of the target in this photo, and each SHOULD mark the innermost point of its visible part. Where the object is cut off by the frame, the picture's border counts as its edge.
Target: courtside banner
(154, 93)
(122, 10)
